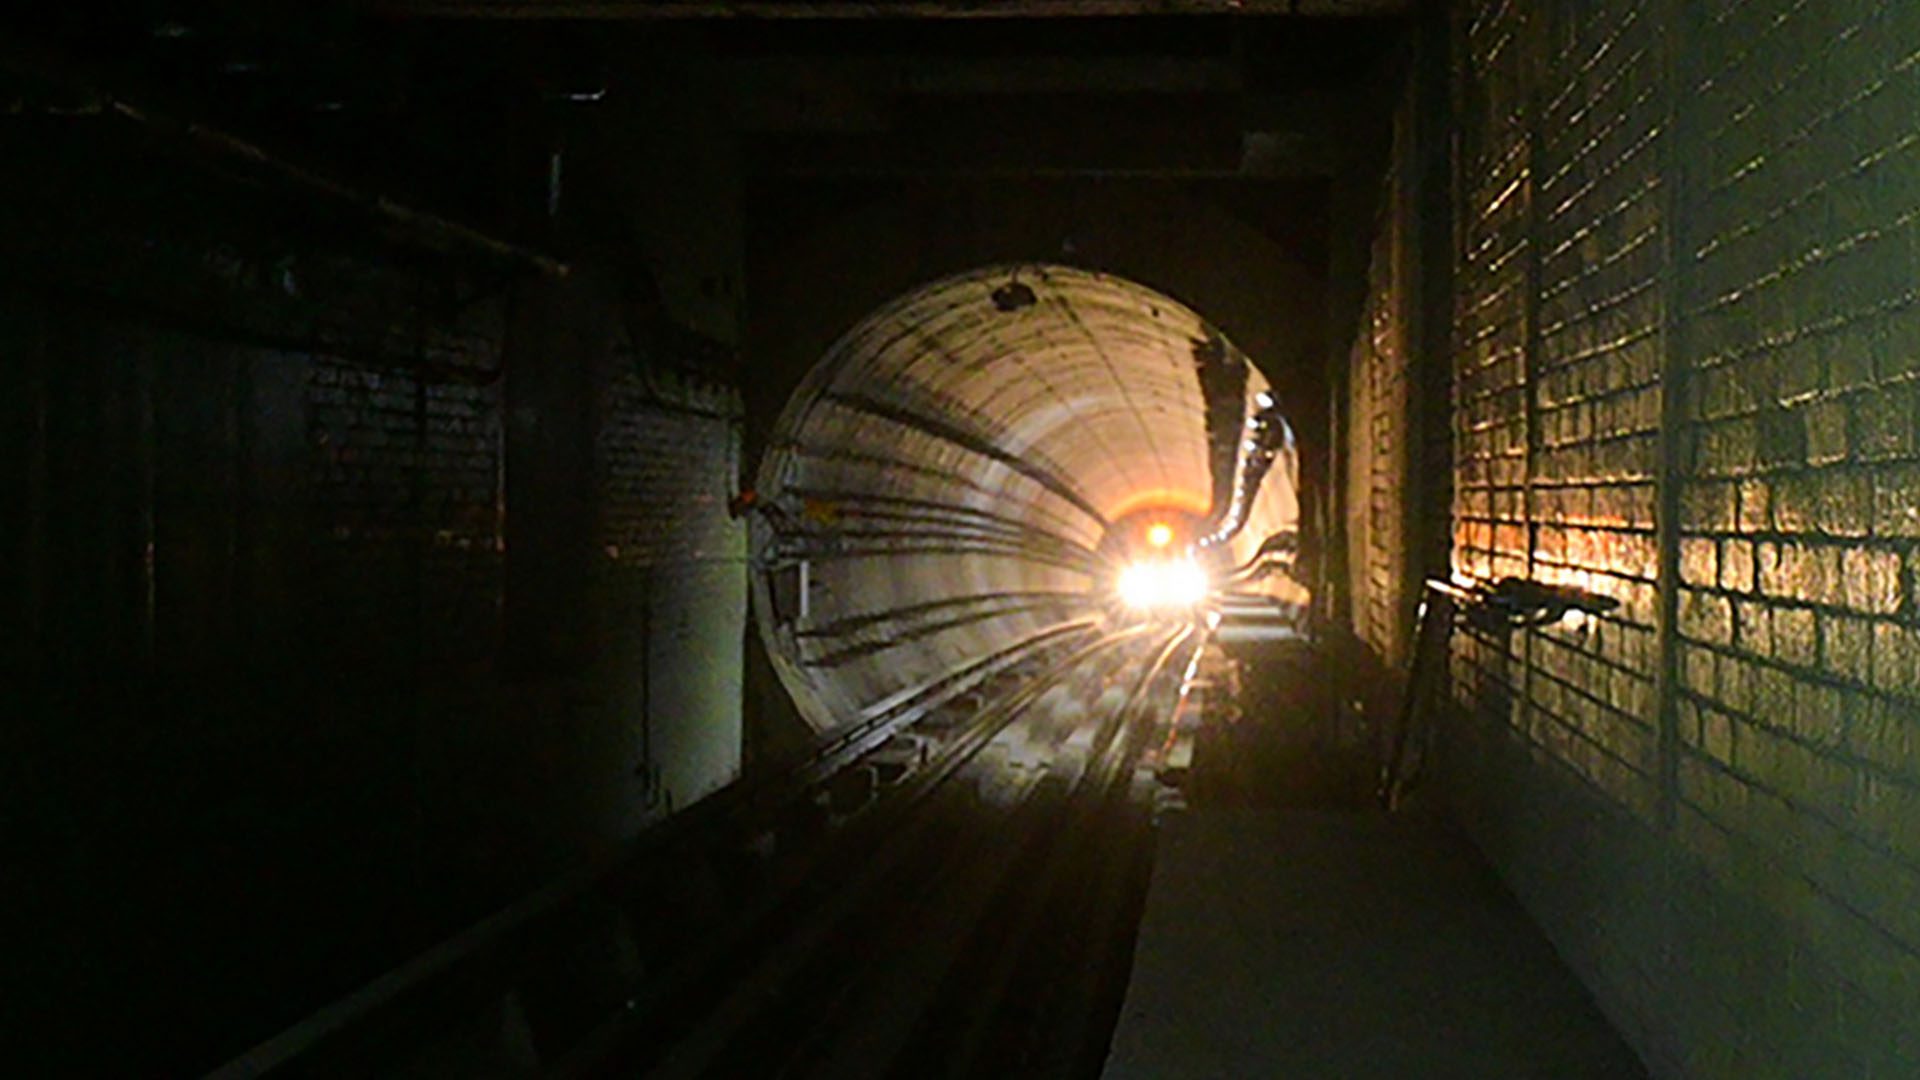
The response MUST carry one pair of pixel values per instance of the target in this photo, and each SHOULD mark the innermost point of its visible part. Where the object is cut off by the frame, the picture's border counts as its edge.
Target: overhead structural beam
(930, 74)
(1135, 134)
(430, 227)
(878, 9)
(42, 66)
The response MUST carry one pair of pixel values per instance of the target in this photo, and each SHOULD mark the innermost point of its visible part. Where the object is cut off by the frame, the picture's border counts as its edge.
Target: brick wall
(1378, 437)
(406, 481)
(673, 584)
(1396, 437)
(241, 575)
(1685, 343)
(262, 738)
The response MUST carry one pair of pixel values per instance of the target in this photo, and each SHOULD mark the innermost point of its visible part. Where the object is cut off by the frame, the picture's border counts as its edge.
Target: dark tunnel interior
(960, 538)
(975, 465)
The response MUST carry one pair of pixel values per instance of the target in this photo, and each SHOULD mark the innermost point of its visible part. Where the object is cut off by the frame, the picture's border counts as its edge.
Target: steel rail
(873, 1034)
(638, 1040)
(850, 653)
(853, 624)
(335, 1040)
(1114, 748)
(870, 1021)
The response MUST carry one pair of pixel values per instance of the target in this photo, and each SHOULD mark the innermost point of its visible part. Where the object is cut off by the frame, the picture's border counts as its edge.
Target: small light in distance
(1159, 534)
(1172, 584)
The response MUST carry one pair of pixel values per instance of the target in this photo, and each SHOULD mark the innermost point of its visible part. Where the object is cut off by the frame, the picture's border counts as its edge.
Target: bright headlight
(1162, 584)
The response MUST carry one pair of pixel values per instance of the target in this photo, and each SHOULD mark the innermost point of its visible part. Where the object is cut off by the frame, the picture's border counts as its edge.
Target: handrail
(1502, 607)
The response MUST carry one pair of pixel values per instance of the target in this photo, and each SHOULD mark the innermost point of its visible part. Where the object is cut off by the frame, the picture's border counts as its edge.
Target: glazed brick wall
(1378, 436)
(407, 506)
(1686, 345)
(670, 449)
(1593, 390)
(672, 585)
(1799, 680)
(1488, 401)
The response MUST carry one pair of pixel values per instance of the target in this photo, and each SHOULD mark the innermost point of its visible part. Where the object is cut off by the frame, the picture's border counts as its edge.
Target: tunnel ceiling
(940, 487)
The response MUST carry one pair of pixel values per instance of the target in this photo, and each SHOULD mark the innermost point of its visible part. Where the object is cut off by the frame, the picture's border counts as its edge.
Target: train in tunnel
(927, 537)
(961, 478)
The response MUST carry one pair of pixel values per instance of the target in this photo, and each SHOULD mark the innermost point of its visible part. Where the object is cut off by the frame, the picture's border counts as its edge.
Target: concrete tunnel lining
(941, 485)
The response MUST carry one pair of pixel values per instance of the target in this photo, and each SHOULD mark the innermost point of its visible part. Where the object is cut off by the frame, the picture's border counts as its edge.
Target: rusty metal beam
(878, 9)
(41, 64)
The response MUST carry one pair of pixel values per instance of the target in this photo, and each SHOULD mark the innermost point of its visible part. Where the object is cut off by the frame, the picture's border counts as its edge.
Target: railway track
(978, 937)
(954, 898)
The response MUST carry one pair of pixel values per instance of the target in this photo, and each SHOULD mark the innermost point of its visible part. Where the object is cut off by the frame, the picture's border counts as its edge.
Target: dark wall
(265, 732)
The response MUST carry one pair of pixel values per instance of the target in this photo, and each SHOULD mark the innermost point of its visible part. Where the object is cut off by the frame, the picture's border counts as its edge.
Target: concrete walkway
(1301, 944)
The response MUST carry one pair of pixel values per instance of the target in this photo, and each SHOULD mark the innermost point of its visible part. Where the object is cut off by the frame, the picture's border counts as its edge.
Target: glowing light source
(1173, 583)
(1159, 534)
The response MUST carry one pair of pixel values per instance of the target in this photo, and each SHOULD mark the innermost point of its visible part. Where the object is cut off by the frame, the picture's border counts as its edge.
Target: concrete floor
(1299, 944)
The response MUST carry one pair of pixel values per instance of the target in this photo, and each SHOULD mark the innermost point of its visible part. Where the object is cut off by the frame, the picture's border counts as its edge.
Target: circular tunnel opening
(1004, 458)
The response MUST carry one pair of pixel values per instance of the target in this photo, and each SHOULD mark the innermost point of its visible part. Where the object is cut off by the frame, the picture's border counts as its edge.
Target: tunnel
(936, 538)
(967, 472)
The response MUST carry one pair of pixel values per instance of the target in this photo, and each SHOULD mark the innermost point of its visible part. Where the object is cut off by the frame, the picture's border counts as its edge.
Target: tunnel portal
(951, 483)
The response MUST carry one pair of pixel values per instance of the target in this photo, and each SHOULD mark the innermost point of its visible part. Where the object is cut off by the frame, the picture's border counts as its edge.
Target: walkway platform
(1304, 944)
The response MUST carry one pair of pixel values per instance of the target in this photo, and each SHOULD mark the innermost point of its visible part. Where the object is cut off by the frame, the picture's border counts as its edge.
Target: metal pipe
(791, 530)
(1264, 559)
(1222, 375)
(831, 543)
(870, 550)
(851, 653)
(855, 623)
(1267, 433)
(933, 511)
(966, 440)
(917, 469)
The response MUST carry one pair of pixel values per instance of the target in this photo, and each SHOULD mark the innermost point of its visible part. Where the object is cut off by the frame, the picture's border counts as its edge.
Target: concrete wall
(1684, 366)
(267, 730)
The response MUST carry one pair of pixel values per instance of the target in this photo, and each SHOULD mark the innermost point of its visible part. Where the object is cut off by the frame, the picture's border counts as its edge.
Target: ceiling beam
(50, 68)
(875, 9)
(1000, 76)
